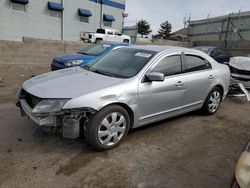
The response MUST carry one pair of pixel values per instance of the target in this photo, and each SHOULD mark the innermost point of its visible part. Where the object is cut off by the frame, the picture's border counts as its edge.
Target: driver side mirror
(156, 77)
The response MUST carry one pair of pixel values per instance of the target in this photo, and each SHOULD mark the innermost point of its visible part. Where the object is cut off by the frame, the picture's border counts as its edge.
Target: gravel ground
(187, 151)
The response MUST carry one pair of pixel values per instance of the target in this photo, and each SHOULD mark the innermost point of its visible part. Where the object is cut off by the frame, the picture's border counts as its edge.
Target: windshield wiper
(86, 67)
(83, 53)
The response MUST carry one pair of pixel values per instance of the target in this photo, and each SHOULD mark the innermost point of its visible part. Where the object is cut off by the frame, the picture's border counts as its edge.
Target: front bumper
(57, 66)
(241, 76)
(49, 120)
(244, 79)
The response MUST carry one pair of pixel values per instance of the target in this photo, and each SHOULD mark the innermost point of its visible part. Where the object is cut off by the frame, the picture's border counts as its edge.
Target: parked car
(242, 172)
(85, 56)
(105, 35)
(127, 88)
(220, 55)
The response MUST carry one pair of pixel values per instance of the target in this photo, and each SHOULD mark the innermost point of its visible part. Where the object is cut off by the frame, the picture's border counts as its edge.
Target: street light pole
(101, 13)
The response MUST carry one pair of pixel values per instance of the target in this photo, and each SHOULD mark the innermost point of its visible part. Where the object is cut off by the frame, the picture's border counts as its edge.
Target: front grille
(30, 99)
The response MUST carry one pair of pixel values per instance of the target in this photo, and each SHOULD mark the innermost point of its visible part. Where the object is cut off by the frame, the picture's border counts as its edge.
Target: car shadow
(165, 121)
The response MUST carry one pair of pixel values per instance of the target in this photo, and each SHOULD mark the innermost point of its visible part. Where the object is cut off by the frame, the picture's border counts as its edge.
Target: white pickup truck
(110, 35)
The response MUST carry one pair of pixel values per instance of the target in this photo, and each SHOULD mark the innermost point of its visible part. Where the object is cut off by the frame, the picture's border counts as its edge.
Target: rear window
(102, 31)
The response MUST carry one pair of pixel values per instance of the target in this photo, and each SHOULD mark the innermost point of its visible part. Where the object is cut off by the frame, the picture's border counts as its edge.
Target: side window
(169, 65)
(117, 33)
(214, 53)
(110, 32)
(195, 63)
(222, 52)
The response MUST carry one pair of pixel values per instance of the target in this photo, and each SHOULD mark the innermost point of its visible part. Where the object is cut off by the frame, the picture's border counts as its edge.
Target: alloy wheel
(214, 101)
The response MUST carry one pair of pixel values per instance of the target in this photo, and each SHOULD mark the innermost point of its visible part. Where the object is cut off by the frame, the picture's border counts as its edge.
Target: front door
(159, 100)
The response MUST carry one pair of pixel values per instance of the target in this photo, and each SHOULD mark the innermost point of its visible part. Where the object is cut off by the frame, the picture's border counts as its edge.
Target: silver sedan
(127, 88)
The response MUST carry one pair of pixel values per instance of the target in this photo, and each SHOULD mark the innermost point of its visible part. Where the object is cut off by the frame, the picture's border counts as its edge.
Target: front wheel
(213, 101)
(108, 127)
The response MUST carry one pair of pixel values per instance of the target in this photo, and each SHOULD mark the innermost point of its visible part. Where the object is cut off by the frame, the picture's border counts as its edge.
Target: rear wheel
(213, 101)
(108, 127)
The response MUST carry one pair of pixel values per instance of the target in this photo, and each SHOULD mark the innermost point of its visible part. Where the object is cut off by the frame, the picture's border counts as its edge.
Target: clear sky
(158, 11)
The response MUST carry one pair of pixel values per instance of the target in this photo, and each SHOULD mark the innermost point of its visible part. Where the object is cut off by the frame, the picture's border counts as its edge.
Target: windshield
(95, 50)
(122, 63)
(203, 49)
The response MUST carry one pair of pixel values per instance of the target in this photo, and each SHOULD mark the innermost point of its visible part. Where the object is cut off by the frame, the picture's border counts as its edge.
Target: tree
(143, 27)
(165, 29)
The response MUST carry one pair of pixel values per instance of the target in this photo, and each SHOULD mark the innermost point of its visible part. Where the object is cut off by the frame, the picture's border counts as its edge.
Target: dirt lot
(187, 151)
(12, 75)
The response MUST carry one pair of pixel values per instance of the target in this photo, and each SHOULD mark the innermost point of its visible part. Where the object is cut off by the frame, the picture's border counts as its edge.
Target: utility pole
(101, 13)
(226, 34)
(62, 22)
(188, 28)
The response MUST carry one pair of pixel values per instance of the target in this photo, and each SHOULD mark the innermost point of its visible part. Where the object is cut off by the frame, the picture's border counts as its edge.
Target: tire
(213, 101)
(98, 40)
(126, 41)
(108, 127)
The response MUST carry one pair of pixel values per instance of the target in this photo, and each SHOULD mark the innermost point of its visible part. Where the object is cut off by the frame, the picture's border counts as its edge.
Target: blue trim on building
(55, 6)
(84, 12)
(24, 2)
(110, 3)
(107, 17)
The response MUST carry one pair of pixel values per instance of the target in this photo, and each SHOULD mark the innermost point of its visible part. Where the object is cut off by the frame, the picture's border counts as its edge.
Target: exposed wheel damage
(68, 121)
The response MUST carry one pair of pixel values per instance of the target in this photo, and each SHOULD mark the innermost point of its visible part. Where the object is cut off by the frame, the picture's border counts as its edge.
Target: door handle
(211, 77)
(179, 84)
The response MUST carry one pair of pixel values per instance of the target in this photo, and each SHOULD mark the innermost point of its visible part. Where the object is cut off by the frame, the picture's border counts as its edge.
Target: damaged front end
(240, 70)
(50, 113)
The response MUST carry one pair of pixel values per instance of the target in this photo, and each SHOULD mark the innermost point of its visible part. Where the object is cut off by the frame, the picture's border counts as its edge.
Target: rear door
(158, 100)
(110, 36)
(199, 75)
(118, 37)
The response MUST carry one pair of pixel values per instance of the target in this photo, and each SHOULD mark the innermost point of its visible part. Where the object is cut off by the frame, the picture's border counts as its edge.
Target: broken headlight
(49, 106)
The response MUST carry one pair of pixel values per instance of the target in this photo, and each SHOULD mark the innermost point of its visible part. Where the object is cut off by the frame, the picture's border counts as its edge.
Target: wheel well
(98, 39)
(221, 88)
(129, 110)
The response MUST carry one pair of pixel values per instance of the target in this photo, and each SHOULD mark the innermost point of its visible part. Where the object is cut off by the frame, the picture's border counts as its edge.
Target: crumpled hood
(241, 63)
(75, 56)
(68, 83)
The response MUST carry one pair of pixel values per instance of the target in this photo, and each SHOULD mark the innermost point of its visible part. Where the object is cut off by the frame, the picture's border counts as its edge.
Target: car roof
(161, 48)
(205, 47)
(116, 43)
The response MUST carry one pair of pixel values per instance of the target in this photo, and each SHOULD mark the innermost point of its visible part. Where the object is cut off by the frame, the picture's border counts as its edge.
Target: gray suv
(127, 88)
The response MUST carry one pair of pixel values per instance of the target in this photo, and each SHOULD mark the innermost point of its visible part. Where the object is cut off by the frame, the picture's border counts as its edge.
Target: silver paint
(148, 101)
